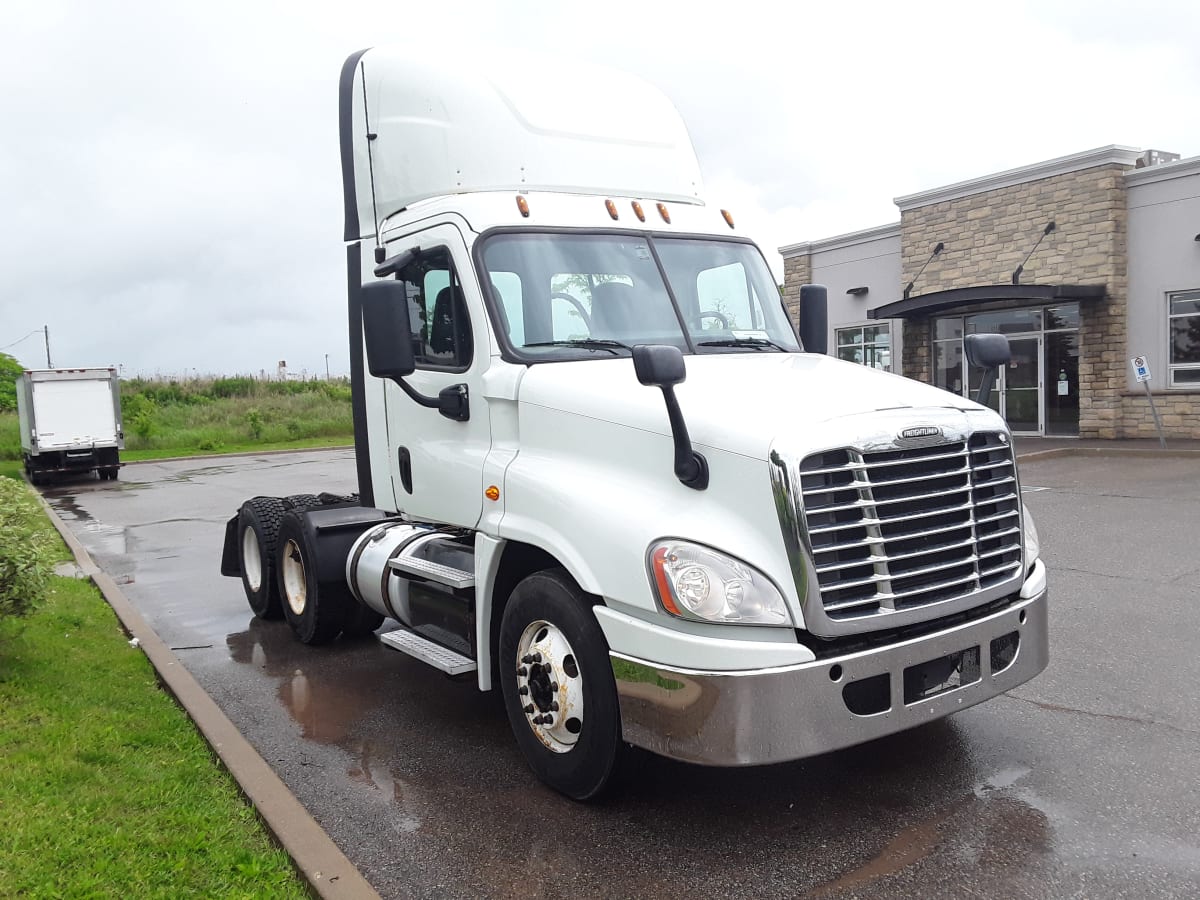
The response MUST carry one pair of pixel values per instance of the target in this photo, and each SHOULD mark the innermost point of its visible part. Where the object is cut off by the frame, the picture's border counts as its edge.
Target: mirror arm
(691, 468)
(451, 402)
(985, 386)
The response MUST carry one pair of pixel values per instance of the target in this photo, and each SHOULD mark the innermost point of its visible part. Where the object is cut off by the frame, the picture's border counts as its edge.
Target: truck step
(408, 567)
(428, 652)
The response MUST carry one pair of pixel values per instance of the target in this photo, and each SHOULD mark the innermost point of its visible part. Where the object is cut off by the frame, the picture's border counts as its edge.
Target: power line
(27, 337)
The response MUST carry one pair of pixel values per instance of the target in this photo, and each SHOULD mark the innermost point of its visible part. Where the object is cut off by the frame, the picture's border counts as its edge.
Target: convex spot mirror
(987, 351)
(387, 329)
(658, 364)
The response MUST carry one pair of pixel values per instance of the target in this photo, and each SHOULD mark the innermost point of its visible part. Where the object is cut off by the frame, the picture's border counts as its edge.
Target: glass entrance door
(1022, 385)
(1017, 394)
(1062, 383)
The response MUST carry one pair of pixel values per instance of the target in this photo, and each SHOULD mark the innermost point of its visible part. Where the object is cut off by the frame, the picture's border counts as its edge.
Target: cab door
(436, 463)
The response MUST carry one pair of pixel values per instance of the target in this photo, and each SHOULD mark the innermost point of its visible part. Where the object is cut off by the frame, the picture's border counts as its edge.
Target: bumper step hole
(835, 672)
(868, 696)
(1004, 651)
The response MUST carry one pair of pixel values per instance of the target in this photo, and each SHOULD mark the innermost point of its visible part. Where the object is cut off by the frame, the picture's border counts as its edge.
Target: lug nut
(553, 687)
(547, 719)
(523, 690)
(554, 706)
(522, 672)
(526, 659)
(529, 709)
(535, 657)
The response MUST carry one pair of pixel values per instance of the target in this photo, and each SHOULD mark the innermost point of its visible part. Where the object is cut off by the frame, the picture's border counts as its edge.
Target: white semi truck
(598, 470)
(70, 422)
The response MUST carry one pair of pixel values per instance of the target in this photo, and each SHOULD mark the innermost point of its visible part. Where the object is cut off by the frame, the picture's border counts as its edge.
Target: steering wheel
(713, 314)
(575, 302)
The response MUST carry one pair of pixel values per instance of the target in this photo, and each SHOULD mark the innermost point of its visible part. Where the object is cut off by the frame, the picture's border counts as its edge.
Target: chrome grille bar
(899, 528)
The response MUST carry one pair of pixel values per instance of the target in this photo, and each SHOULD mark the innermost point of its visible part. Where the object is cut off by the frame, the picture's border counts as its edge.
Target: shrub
(10, 370)
(138, 413)
(233, 387)
(25, 550)
(254, 421)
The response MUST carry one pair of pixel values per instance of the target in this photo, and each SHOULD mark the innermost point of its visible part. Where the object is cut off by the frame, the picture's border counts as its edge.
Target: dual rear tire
(279, 573)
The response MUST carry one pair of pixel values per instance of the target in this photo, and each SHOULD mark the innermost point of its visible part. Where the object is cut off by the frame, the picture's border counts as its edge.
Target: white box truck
(598, 470)
(70, 421)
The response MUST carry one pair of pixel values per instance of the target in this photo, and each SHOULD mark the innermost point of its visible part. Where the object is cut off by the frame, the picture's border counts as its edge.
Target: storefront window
(867, 345)
(1183, 319)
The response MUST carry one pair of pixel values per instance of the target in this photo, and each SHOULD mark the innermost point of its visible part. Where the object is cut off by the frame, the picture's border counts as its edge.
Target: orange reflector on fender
(662, 211)
(611, 207)
(492, 493)
(660, 578)
(523, 206)
(637, 211)
(728, 217)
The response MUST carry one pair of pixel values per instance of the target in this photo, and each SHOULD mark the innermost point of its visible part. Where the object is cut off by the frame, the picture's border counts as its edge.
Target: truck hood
(734, 402)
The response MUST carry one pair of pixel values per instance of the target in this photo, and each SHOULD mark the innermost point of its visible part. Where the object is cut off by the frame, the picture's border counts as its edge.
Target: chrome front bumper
(746, 718)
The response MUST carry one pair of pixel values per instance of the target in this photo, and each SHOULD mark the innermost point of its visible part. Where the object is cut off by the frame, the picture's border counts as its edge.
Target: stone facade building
(1083, 261)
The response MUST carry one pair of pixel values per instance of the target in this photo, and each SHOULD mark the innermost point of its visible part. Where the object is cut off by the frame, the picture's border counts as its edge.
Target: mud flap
(231, 562)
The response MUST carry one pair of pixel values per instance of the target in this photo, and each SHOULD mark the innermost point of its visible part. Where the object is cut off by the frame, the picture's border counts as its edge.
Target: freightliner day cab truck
(70, 421)
(598, 470)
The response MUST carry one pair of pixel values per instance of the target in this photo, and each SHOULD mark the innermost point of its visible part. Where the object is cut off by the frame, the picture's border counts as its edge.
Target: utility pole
(326, 366)
(46, 331)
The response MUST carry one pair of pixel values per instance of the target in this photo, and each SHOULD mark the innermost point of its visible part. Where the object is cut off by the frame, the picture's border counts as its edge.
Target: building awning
(1015, 294)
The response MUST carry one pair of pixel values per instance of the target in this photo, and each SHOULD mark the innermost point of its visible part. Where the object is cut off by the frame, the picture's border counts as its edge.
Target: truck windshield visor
(574, 296)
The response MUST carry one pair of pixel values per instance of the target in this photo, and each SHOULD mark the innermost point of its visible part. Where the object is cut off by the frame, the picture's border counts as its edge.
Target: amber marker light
(637, 211)
(492, 493)
(660, 579)
(523, 206)
(611, 207)
(662, 211)
(728, 217)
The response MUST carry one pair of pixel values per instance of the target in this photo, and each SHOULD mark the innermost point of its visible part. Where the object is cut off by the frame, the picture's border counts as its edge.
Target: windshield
(572, 296)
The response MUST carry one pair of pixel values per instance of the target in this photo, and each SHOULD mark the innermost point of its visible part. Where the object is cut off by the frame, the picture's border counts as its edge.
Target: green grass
(106, 788)
(229, 415)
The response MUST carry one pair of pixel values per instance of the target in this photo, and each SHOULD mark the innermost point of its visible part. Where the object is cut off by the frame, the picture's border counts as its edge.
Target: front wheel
(558, 685)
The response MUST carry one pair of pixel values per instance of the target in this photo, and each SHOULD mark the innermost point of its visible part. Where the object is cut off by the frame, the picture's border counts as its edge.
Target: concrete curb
(1107, 451)
(316, 857)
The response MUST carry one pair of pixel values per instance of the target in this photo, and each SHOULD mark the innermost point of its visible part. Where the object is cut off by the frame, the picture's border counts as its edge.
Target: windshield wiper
(586, 344)
(757, 343)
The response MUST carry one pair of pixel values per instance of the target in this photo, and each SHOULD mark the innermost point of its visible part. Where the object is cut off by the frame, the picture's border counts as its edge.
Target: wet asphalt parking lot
(1085, 782)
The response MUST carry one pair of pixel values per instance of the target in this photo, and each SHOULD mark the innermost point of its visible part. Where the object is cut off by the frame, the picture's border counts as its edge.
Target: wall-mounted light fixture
(861, 291)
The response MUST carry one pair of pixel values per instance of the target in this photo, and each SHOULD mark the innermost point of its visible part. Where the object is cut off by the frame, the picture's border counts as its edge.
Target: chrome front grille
(898, 529)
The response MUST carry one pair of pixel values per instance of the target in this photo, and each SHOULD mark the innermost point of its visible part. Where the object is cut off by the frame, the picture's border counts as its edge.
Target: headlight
(1033, 545)
(694, 582)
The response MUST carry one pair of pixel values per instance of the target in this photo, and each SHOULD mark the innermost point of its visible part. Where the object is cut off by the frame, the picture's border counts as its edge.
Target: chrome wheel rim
(550, 686)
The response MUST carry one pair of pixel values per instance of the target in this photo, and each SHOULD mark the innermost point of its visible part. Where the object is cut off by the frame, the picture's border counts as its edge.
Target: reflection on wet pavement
(1073, 787)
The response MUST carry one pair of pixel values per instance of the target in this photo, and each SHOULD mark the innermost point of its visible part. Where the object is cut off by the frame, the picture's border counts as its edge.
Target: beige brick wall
(797, 270)
(987, 235)
(1180, 414)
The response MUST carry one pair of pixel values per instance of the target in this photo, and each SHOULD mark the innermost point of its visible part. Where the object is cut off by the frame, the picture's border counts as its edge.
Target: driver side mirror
(387, 329)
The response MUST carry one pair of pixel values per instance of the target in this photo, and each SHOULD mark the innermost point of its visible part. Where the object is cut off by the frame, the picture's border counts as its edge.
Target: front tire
(558, 685)
(316, 612)
(258, 532)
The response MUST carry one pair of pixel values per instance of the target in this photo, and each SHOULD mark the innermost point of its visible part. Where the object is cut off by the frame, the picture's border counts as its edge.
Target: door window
(437, 312)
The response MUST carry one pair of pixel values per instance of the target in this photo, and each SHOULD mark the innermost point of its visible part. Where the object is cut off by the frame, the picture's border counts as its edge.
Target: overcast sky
(170, 174)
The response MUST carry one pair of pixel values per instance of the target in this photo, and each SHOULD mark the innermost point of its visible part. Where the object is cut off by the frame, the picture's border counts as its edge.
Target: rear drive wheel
(258, 530)
(558, 685)
(316, 612)
(361, 620)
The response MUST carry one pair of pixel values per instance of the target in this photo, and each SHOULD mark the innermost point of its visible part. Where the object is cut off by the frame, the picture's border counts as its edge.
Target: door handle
(404, 460)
